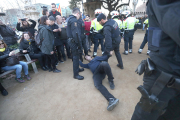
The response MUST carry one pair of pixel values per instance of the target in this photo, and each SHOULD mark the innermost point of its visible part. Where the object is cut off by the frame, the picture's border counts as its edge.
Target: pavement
(57, 96)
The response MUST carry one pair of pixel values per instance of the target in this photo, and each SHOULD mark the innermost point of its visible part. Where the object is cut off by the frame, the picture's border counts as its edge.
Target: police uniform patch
(75, 24)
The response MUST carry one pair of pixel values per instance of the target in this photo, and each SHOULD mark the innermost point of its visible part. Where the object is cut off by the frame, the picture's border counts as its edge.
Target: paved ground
(52, 96)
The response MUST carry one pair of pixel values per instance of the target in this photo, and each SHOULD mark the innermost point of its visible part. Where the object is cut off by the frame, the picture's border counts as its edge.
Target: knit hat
(51, 18)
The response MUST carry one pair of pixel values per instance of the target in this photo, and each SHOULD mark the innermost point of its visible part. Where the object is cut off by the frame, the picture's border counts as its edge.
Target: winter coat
(30, 46)
(63, 33)
(3, 56)
(54, 15)
(57, 40)
(9, 36)
(27, 29)
(46, 34)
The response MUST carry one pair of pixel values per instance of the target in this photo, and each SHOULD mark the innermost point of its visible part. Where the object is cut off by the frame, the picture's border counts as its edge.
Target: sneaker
(111, 84)
(148, 52)
(140, 51)
(120, 66)
(61, 61)
(27, 77)
(56, 71)
(130, 50)
(112, 103)
(125, 52)
(19, 80)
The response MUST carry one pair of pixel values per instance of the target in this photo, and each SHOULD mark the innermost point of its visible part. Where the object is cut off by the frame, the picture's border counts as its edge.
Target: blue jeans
(98, 38)
(18, 68)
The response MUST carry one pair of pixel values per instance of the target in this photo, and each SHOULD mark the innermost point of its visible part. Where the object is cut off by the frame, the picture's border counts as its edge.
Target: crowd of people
(56, 33)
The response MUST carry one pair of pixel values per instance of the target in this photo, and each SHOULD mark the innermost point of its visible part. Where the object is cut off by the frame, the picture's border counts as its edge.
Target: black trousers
(1, 87)
(98, 76)
(117, 53)
(170, 96)
(51, 61)
(75, 58)
(65, 43)
(59, 53)
(145, 40)
(41, 58)
(128, 38)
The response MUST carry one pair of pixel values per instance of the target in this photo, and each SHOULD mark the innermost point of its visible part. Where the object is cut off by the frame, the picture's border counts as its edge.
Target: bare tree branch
(122, 5)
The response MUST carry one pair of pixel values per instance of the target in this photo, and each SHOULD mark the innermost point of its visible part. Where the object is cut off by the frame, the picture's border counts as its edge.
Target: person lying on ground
(100, 68)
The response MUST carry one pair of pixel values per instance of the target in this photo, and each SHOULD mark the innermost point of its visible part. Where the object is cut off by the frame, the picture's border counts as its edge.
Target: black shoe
(89, 50)
(47, 67)
(79, 77)
(56, 71)
(111, 84)
(112, 103)
(64, 58)
(81, 69)
(4, 92)
(120, 67)
(50, 69)
(44, 68)
(94, 55)
(69, 57)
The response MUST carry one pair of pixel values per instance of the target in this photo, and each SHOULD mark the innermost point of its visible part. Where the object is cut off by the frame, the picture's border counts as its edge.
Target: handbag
(12, 60)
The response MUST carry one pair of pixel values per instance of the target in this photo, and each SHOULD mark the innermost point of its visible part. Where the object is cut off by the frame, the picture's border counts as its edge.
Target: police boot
(140, 51)
(125, 52)
(111, 84)
(121, 67)
(95, 54)
(79, 77)
(112, 103)
(148, 51)
(130, 50)
(81, 69)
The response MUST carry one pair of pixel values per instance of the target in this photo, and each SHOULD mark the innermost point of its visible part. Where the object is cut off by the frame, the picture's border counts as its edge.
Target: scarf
(2, 49)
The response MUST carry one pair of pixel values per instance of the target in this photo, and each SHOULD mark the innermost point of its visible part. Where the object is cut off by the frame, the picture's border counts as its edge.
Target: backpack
(38, 39)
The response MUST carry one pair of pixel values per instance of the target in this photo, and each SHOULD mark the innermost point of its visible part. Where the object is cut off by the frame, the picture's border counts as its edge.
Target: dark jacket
(9, 36)
(54, 15)
(29, 29)
(30, 46)
(111, 32)
(164, 34)
(94, 63)
(48, 38)
(57, 40)
(3, 56)
(63, 33)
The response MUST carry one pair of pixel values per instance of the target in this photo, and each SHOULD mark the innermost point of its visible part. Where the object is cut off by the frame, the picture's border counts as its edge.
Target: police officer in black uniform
(81, 25)
(111, 32)
(161, 88)
(72, 29)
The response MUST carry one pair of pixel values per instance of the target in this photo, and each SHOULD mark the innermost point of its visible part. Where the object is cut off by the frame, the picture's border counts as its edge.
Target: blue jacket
(94, 63)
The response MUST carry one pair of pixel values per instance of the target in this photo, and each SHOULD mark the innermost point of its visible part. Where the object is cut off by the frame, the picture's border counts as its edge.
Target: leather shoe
(56, 71)
(4, 92)
(50, 69)
(79, 77)
(81, 69)
(120, 67)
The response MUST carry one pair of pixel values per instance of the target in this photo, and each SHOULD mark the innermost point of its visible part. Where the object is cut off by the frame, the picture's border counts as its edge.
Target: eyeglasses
(2, 44)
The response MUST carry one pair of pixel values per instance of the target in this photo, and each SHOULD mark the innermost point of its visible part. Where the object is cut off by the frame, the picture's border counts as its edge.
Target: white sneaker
(102, 53)
(130, 50)
(148, 51)
(140, 51)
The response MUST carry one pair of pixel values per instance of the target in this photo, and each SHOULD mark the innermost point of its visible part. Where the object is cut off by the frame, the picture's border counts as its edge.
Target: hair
(22, 38)
(4, 43)
(88, 15)
(58, 16)
(28, 25)
(43, 20)
(44, 11)
(53, 4)
(64, 17)
(76, 10)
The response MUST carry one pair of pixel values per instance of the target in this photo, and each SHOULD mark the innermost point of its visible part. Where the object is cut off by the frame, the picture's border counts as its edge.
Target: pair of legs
(170, 97)
(18, 68)
(51, 61)
(60, 52)
(118, 55)
(145, 40)
(41, 58)
(88, 42)
(98, 38)
(128, 38)
(98, 76)
(67, 48)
